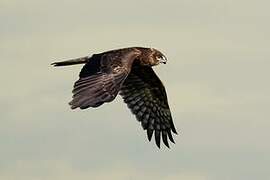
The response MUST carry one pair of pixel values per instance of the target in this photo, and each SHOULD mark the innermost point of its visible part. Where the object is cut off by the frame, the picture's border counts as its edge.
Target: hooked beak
(163, 60)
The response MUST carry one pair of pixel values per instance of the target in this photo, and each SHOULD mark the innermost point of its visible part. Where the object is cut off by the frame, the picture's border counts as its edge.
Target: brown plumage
(128, 72)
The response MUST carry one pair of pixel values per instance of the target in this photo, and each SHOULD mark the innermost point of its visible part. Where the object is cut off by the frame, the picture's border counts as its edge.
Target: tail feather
(81, 60)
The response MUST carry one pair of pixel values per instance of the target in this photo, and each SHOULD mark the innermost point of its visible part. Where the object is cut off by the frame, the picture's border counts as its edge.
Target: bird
(128, 72)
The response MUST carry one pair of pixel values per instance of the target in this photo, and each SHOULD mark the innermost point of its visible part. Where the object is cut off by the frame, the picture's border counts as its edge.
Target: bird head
(159, 57)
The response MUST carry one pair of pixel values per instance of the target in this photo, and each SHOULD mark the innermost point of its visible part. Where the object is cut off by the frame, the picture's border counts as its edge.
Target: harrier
(128, 72)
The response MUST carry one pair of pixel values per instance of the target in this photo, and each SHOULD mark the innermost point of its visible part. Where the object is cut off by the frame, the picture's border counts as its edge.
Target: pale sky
(217, 80)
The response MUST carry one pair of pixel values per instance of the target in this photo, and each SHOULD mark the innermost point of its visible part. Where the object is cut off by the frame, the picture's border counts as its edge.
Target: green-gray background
(217, 80)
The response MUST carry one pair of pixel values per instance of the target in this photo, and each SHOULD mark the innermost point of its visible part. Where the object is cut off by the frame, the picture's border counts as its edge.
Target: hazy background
(217, 80)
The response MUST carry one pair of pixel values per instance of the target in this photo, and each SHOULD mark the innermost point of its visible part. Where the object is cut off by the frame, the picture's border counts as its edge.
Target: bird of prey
(129, 72)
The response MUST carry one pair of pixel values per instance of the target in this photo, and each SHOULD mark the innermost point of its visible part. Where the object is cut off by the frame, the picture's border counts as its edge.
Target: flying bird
(129, 72)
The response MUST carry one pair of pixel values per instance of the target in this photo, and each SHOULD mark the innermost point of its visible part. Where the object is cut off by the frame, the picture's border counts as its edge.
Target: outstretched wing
(101, 78)
(145, 95)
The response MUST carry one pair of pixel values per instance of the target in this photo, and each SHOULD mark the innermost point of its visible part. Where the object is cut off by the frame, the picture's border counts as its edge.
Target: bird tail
(81, 60)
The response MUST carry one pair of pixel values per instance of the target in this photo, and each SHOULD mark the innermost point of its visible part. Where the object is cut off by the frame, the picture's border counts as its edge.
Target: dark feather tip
(149, 134)
(164, 138)
(170, 136)
(157, 138)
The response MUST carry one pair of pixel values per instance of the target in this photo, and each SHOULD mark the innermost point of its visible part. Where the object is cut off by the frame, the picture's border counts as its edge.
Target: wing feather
(101, 78)
(145, 95)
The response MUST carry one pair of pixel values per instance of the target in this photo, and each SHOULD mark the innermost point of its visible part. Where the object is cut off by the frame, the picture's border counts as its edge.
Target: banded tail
(81, 60)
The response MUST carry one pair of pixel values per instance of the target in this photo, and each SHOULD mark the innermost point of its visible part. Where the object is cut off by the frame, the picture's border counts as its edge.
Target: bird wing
(101, 78)
(145, 95)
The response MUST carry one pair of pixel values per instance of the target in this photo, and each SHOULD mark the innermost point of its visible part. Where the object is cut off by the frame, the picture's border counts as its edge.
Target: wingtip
(165, 138)
(174, 130)
(170, 136)
(157, 138)
(167, 145)
(149, 134)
